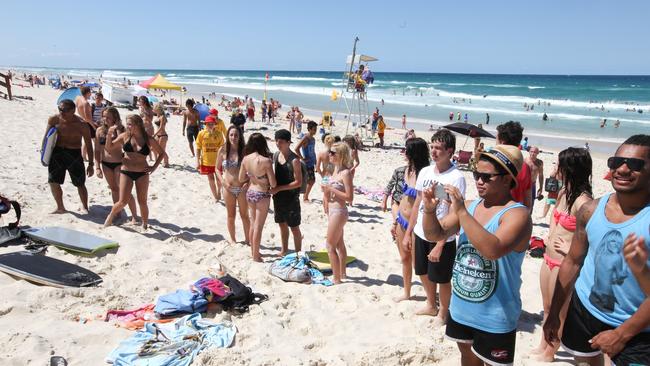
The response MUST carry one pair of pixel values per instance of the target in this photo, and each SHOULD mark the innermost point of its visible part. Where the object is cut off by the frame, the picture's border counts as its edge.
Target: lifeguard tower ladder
(354, 96)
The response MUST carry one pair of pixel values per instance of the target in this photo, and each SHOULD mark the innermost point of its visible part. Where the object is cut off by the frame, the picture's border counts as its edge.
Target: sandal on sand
(58, 361)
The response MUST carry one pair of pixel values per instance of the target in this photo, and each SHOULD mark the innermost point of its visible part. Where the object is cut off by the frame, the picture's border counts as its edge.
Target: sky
(497, 36)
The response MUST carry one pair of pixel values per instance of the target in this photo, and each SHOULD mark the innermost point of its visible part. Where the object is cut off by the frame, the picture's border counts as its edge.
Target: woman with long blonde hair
(339, 191)
(324, 167)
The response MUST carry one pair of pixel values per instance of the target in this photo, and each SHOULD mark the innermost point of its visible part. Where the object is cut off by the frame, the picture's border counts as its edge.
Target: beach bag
(212, 289)
(181, 302)
(11, 231)
(536, 247)
(290, 269)
(551, 185)
(303, 168)
(241, 296)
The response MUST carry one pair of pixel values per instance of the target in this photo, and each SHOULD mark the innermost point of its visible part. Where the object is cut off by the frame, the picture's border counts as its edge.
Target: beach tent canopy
(159, 82)
(361, 58)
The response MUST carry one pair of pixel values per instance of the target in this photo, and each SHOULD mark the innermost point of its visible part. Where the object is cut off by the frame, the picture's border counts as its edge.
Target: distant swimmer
(458, 116)
(617, 124)
(487, 118)
(603, 123)
(451, 116)
(382, 101)
(466, 117)
(545, 117)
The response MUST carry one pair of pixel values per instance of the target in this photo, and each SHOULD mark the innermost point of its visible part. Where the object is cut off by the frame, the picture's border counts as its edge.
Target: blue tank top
(309, 153)
(611, 293)
(485, 293)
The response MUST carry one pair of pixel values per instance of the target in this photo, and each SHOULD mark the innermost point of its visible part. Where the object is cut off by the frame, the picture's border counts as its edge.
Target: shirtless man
(191, 120)
(536, 174)
(84, 110)
(66, 156)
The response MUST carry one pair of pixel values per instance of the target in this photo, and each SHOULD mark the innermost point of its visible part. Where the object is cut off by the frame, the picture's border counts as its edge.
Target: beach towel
(136, 318)
(172, 344)
(212, 289)
(374, 194)
(181, 302)
(302, 262)
(241, 296)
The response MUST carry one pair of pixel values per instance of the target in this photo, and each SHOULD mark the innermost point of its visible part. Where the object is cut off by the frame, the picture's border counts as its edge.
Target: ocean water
(575, 104)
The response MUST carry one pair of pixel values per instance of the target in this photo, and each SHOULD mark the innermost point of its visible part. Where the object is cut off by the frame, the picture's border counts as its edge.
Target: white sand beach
(356, 323)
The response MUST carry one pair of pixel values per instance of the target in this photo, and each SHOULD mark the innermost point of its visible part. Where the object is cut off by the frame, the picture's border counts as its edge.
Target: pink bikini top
(565, 220)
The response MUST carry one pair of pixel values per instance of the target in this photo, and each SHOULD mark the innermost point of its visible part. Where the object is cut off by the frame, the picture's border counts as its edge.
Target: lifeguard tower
(354, 94)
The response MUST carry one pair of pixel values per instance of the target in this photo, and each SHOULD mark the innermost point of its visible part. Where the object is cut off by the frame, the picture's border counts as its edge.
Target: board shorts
(192, 133)
(287, 211)
(437, 272)
(580, 326)
(491, 348)
(311, 174)
(69, 160)
(206, 169)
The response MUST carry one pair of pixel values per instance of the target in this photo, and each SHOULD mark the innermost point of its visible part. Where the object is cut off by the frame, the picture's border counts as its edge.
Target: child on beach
(306, 151)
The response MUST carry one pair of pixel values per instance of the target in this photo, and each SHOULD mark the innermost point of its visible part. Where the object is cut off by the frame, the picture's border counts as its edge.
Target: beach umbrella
(152, 99)
(91, 85)
(468, 129)
(203, 110)
(70, 93)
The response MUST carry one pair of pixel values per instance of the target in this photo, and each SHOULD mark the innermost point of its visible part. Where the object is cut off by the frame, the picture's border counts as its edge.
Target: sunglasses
(485, 177)
(633, 164)
(64, 110)
(332, 152)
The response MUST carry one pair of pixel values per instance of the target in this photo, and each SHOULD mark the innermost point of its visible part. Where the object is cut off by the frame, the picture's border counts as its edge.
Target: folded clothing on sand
(135, 319)
(174, 344)
(296, 268)
(181, 302)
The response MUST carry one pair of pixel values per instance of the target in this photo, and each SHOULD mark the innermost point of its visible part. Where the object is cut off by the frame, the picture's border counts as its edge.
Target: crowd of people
(468, 254)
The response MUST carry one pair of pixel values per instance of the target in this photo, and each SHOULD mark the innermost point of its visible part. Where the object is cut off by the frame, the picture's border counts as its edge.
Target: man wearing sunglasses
(492, 242)
(66, 156)
(608, 312)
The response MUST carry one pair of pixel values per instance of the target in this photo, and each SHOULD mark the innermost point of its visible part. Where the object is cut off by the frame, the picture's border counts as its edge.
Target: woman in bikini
(257, 169)
(161, 133)
(108, 161)
(339, 191)
(146, 112)
(137, 144)
(324, 166)
(417, 158)
(574, 170)
(229, 159)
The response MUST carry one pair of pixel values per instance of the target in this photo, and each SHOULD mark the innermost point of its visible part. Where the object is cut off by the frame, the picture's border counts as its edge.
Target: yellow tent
(159, 82)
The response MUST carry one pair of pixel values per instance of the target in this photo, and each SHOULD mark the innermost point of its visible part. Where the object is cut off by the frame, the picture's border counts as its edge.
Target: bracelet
(428, 211)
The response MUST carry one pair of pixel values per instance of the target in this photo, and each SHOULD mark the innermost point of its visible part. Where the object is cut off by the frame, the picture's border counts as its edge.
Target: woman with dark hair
(109, 160)
(257, 170)
(416, 155)
(229, 159)
(146, 113)
(574, 171)
(137, 145)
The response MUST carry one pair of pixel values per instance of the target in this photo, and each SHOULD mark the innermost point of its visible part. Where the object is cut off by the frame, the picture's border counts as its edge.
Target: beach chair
(463, 158)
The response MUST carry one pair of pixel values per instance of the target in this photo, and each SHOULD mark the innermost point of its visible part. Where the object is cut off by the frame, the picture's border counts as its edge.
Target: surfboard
(321, 261)
(46, 270)
(69, 239)
(49, 141)
(70, 93)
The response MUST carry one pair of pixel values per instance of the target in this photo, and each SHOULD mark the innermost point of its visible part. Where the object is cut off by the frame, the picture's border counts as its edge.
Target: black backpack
(241, 296)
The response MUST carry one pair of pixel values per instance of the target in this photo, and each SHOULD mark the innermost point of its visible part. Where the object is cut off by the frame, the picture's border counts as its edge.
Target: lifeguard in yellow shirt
(208, 143)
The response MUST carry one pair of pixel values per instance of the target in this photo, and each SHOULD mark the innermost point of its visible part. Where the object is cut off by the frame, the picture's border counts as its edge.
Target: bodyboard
(70, 239)
(321, 261)
(46, 270)
(49, 141)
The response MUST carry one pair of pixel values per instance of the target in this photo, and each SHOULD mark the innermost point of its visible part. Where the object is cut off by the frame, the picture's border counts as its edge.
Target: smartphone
(440, 192)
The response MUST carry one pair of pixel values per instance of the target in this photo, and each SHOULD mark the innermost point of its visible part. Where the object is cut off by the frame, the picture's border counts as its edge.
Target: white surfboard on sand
(49, 141)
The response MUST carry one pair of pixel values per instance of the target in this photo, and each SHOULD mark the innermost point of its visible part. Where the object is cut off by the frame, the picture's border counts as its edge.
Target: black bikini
(128, 147)
(110, 165)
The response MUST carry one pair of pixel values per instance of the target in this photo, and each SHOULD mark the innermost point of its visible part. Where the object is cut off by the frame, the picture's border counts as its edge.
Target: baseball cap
(283, 135)
(509, 157)
(213, 111)
(210, 119)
